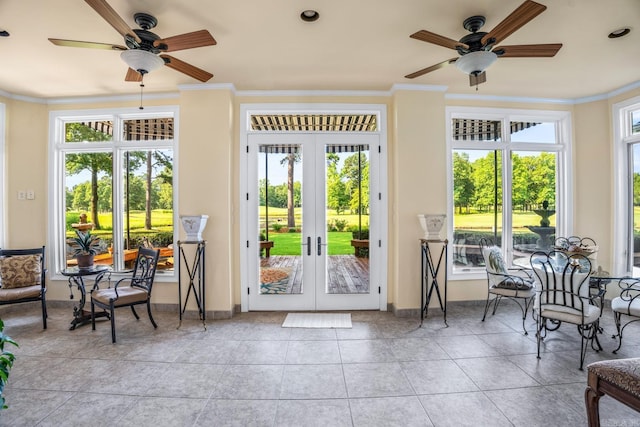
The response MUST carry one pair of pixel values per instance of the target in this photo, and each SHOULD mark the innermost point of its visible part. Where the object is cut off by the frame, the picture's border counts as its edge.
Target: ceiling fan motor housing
(146, 22)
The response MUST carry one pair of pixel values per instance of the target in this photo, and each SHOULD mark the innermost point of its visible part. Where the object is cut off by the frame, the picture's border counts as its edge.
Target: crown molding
(318, 93)
(110, 98)
(415, 87)
(207, 86)
(305, 93)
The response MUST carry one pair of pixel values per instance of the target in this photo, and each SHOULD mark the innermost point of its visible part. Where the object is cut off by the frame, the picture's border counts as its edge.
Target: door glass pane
(347, 213)
(148, 206)
(533, 203)
(477, 189)
(279, 236)
(88, 182)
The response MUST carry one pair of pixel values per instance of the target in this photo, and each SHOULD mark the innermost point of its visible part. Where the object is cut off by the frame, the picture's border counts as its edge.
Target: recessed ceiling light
(619, 33)
(309, 15)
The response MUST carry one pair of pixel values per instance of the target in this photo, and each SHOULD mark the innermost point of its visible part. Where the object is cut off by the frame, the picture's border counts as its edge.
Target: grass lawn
(290, 243)
(276, 214)
(485, 220)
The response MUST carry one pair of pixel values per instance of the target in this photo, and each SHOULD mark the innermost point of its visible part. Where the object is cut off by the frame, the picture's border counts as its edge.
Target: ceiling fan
(476, 49)
(144, 50)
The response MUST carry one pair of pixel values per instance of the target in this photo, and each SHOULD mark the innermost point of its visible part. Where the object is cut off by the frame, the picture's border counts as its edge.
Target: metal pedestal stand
(429, 276)
(196, 286)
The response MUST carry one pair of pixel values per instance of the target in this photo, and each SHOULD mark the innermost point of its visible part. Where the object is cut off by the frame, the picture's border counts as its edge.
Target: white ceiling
(355, 45)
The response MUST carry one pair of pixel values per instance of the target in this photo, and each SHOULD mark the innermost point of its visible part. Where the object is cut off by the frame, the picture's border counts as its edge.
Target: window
(112, 172)
(2, 172)
(627, 194)
(507, 172)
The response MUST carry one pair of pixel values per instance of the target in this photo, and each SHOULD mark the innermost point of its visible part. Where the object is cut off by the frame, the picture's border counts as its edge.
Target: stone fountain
(544, 230)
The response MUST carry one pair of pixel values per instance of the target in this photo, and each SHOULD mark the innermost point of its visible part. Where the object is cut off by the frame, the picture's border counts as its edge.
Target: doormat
(317, 320)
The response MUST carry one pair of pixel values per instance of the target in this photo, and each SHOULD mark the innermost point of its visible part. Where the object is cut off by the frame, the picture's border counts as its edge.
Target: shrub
(6, 362)
(276, 226)
(360, 235)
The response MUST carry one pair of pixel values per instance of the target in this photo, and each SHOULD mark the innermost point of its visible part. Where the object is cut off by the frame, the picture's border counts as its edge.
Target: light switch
(21, 195)
(31, 194)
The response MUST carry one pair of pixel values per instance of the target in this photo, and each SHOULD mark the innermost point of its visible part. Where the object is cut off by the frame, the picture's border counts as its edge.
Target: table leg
(80, 315)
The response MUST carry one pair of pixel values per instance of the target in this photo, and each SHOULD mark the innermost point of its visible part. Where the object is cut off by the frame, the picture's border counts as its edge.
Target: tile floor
(385, 371)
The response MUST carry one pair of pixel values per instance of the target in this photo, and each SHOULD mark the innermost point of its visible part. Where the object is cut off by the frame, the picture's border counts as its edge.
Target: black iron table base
(76, 279)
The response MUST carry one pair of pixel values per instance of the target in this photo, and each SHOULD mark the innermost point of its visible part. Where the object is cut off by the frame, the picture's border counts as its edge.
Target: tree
(463, 188)
(337, 196)
(290, 159)
(93, 162)
(357, 182)
(485, 171)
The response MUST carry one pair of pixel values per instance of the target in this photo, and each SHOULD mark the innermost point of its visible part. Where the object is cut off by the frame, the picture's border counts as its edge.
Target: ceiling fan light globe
(476, 62)
(141, 60)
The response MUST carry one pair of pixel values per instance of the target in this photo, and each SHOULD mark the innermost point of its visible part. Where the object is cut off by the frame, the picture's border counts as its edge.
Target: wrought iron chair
(138, 292)
(564, 296)
(22, 278)
(628, 304)
(516, 284)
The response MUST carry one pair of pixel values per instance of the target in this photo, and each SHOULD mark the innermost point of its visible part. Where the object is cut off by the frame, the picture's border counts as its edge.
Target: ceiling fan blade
(90, 45)
(133, 76)
(112, 17)
(429, 37)
(528, 50)
(475, 80)
(188, 69)
(430, 69)
(186, 41)
(519, 17)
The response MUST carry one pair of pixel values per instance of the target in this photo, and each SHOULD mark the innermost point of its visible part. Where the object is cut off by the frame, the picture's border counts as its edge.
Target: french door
(311, 221)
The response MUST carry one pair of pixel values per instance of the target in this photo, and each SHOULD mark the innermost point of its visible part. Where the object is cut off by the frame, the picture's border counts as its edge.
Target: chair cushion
(591, 314)
(14, 294)
(623, 373)
(519, 293)
(493, 260)
(20, 271)
(126, 295)
(631, 308)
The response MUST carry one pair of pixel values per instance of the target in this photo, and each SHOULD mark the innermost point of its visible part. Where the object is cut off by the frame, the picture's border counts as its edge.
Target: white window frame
(3, 182)
(562, 147)
(58, 148)
(623, 186)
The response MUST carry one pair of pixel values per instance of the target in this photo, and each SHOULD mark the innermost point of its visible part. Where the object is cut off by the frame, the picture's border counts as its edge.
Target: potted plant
(85, 247)
(6, 362)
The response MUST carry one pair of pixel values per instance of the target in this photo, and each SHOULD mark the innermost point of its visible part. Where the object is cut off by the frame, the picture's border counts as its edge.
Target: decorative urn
(194, 226)
(431, 225)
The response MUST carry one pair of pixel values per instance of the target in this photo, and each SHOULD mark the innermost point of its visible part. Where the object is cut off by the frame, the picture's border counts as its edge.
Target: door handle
(308, 245)
(319, 246)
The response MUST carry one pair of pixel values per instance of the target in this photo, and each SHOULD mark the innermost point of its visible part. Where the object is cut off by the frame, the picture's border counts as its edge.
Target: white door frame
(378, 201)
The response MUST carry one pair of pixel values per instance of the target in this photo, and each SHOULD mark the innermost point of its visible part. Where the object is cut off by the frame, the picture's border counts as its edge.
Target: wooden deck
(346, 274)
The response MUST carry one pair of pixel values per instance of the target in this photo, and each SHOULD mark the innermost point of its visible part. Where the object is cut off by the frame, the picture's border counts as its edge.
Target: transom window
(507, 180)
(112, 174)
